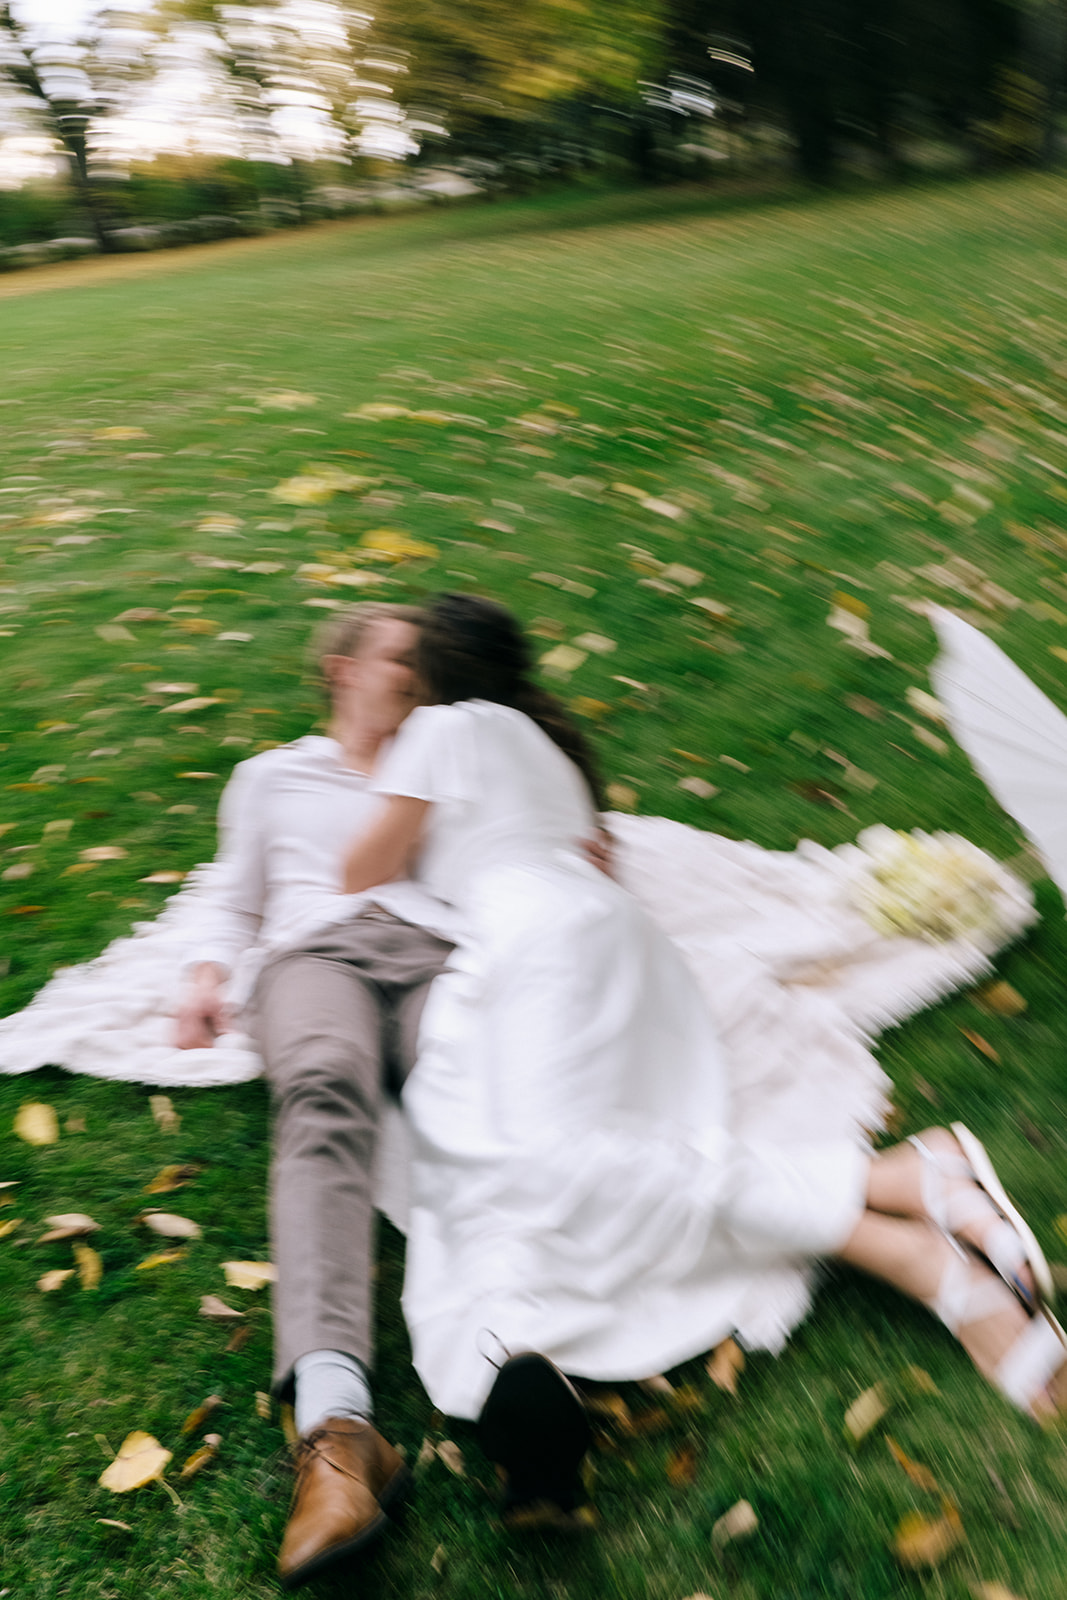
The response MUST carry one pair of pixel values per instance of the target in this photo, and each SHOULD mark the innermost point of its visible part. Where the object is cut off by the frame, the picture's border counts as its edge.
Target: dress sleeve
(431, 758)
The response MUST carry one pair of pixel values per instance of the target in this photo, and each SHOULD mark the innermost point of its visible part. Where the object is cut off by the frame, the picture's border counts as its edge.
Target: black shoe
(534, 1426)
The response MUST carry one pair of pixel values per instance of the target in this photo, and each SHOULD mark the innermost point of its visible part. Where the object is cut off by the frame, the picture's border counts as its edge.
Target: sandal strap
(933, 1169)
(1032, 1361)
(963, 1298)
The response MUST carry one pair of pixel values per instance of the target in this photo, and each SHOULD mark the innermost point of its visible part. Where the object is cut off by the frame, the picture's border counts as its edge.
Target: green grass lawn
(684, 427)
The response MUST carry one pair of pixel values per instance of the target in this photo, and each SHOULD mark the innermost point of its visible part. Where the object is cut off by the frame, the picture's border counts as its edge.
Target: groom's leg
(335, 1021)
(321, 1023)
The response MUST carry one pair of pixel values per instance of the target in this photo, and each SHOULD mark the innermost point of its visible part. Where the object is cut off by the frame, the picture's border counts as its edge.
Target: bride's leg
(991, 1324)
(900, 1182)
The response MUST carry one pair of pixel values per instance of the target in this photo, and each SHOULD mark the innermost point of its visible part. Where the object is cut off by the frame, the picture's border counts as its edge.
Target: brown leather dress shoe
(347, 1476)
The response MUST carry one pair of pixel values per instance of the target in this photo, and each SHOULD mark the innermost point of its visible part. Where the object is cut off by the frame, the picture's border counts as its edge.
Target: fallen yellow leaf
(212, 1306)
(452, 1456)
(141, 1459)
(167, 1119)
(981, 1044)
(992, 1591)
(866, 1412)
(203, 1457)
(68, 1225)
(249, 1274)
(737, 1523)
(161, 1258)
(921, 1476)
(169, 1225)
(926, 1541)
(90, 1265)
(54, 1280)
(37, 1123)
(1001, 999)
(172, 1177)
(196, 1419)
(398, 544)
(9, 1226)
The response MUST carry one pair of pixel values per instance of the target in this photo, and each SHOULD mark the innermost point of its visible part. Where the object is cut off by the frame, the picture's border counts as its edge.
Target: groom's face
(382, 673)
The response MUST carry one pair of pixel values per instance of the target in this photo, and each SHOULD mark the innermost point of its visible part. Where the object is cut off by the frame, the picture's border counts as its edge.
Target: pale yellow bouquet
(933, 886)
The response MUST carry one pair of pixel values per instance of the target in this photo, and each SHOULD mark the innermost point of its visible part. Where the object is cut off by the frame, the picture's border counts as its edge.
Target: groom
(336, 1011)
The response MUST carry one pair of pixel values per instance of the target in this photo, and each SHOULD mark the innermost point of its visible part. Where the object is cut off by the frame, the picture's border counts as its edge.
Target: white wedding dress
(577, 1185)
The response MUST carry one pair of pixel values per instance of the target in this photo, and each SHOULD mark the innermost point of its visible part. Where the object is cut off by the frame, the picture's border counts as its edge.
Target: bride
(581, 1204)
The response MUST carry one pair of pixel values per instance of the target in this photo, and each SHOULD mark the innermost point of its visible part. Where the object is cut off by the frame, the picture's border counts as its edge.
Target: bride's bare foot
(932, 1176)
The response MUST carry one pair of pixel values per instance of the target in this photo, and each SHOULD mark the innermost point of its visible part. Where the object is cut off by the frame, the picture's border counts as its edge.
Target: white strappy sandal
(1025, 1371)
(1008, 1243)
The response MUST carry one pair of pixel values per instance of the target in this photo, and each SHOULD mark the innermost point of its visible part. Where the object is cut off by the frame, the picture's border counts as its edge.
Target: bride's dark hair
(474, 649)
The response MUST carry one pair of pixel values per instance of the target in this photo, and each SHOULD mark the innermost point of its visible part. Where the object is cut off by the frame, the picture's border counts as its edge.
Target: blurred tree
(69, 87)
(840, 71)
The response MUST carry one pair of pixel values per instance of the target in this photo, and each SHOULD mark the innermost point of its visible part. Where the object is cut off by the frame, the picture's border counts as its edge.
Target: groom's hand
(202, 1012)
(599, 848)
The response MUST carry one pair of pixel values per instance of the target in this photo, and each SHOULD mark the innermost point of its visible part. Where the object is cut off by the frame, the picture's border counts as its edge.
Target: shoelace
(310, 1447)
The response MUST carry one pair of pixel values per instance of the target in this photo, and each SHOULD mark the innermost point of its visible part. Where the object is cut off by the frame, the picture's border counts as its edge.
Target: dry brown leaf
(438, 1559)
(866, 1412)
(981, 1044)
(921, 1476)
(659, 1385)
(68, 1225)
(1000, 999)
(262, 1405)
(682, 1466)
(920, 1380)
(111, 1522)
(167, 1119)
(212, 1306)
(161, 1258)
(54, 1280)
(169, 1225)
(452, 1456)
(238, 1339)
(427, 1454)
(992, 1591)
(196, 1419)
(9, 1226)
(36, 1123)
(141, 1459)
(249, 1274)
(737, 1523)
(198, 1460)
(74, 1125)
(90, 1265)
(725, 1365)
(925, 1541)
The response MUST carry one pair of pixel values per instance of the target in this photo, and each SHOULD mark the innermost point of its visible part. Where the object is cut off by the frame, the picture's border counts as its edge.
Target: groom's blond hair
(344, 633)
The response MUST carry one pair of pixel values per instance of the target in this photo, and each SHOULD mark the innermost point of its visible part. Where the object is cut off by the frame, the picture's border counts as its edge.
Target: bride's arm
(381, 853)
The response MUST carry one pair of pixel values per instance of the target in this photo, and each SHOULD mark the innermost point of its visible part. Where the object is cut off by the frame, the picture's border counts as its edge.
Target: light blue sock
(330, 1384)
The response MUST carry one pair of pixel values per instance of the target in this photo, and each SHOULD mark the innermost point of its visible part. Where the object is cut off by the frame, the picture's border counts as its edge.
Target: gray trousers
(337, 1024)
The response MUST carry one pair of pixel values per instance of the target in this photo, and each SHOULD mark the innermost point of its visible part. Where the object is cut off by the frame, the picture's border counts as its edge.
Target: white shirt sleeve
(430, 758)
(231, 909)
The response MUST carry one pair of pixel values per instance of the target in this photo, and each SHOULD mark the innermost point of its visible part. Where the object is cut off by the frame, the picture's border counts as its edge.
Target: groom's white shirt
(286, 818)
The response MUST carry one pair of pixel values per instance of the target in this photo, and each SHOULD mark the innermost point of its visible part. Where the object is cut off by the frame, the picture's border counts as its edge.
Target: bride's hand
(599, 849)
